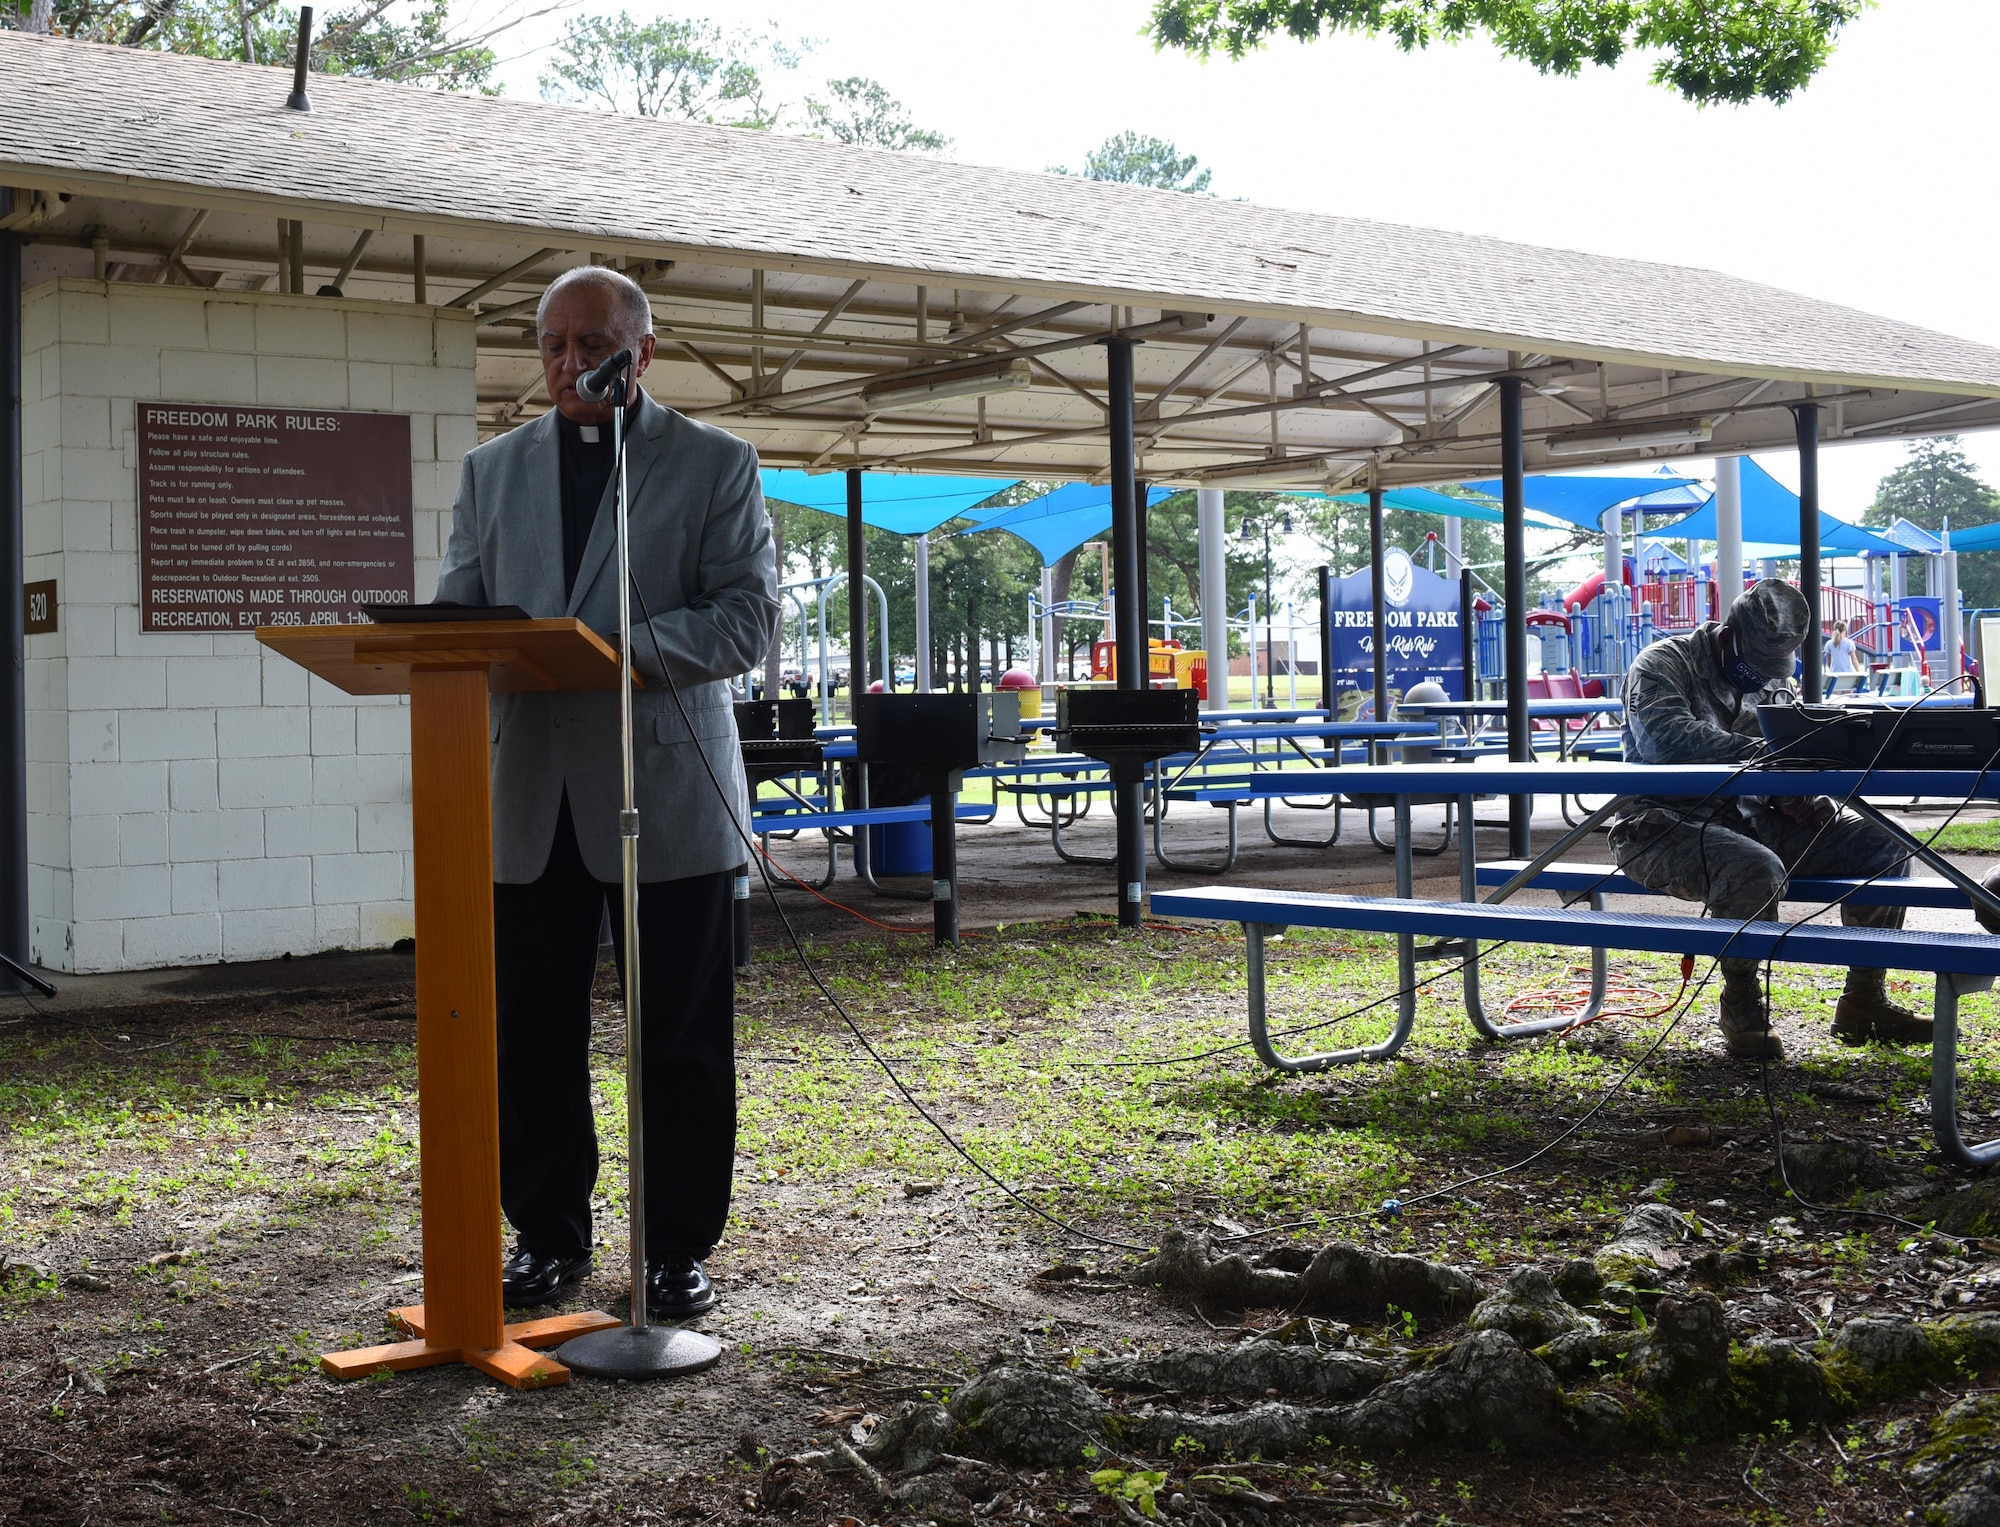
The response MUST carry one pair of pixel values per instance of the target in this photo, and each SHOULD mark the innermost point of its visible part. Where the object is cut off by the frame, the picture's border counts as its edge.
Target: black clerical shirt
(586, 468)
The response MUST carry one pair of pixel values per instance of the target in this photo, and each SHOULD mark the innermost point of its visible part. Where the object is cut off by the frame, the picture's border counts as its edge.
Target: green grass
(1050, 1050)
(1967, 838)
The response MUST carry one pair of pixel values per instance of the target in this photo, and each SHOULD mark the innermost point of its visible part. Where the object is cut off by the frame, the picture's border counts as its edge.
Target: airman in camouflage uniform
(1693, 699)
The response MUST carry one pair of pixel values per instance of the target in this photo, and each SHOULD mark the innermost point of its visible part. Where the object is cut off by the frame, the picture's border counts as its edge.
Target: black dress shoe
(529, 1278)
(677, 1289)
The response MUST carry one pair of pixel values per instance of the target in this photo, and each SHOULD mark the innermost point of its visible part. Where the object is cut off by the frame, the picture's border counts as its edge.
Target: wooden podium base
(449, 670)
(514, 1362)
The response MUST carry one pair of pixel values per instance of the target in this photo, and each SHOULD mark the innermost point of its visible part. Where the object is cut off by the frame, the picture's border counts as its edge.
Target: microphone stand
(636, 1350)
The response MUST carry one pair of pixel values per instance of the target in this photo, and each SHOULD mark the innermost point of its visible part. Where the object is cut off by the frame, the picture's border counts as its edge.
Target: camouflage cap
(1770, 622)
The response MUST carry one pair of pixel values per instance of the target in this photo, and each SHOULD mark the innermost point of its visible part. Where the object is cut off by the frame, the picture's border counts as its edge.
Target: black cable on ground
(1764, 1065)
(1681, 815)
(1396, 1206)
(805, 963)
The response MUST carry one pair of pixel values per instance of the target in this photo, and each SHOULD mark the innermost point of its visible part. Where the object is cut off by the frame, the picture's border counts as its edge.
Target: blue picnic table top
(1608, 777)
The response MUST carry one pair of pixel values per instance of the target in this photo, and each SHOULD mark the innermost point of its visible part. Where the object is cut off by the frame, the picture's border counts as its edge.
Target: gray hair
(632, 311)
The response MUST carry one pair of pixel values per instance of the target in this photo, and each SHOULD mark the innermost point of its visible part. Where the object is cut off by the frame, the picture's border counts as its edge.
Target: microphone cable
(1395, 1206)
(806, 964)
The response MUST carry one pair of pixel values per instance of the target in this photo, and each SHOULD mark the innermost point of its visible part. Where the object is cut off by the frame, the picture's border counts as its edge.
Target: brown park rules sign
(270, 517)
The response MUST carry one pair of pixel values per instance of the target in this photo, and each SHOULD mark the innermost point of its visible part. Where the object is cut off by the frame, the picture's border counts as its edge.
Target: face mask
(1742, 676)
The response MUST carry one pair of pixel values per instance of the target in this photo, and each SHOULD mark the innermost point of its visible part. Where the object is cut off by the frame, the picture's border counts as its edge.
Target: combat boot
(1746, 1017)
(1866, 1015)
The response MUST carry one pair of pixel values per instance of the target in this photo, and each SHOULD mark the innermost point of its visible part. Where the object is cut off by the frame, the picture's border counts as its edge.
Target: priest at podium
(534, 525)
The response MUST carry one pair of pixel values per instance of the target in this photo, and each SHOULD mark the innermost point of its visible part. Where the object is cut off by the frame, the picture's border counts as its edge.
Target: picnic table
(1962, 962)
(1558, 713)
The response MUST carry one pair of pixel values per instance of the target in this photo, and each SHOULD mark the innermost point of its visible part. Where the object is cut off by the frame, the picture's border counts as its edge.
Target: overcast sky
(1875, 188)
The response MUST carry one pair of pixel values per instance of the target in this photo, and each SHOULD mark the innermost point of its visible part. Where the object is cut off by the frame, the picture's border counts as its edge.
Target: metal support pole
(1130, 616)
(1049, 628)
(1144, 582)
(774, 660)
(637, 1349)
(1807, 417)
(1468, 642)
(857, 594)
(1378, 614)
(13, 644)
(1514, 557)
(923, 600)
(1270, 632)
(1614, 549)
(628, 835)
(1214, 593)
(1327, 697)
(1728, 533)
(944, 864)
(1951, 636)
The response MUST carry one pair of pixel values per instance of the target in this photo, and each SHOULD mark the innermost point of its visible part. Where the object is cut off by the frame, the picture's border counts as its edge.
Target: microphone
(595, 386)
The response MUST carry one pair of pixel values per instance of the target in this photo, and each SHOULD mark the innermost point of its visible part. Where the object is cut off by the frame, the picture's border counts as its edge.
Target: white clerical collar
(588, 433)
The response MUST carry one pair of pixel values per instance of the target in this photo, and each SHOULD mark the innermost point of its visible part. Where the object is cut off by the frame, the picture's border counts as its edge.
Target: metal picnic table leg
(1055, 842)
(1389, 848)
(865, 863)
(1979, 895)
(1468, 888)
(1160, 847)
(1944, 1073)
(1260, 1035)
(1272, 833)
(832, 858)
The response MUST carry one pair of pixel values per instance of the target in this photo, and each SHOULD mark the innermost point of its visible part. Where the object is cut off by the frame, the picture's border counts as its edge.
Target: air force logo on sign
(1398, 576)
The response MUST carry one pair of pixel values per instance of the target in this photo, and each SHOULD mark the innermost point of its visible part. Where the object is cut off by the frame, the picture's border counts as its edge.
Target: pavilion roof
(1369, 342)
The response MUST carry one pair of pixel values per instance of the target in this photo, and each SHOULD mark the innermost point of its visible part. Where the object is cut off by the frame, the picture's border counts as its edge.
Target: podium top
(517, 655)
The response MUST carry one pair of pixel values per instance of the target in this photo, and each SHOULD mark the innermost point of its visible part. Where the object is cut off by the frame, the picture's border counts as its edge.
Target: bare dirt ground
(208, 1178)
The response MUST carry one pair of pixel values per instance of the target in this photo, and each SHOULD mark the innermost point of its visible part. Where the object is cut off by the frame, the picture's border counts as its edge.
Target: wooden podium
(448, 669)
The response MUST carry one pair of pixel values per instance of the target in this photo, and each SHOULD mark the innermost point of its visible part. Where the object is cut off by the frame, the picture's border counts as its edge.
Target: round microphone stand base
(647, 1352)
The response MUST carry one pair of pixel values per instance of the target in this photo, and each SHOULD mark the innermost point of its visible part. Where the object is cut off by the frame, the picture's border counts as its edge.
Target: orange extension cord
(1556, 1001)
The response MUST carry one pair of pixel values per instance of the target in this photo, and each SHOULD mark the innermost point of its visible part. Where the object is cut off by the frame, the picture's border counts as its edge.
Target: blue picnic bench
(1960, 962)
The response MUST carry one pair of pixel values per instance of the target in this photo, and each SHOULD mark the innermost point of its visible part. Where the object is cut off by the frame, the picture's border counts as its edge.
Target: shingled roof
(162, 128)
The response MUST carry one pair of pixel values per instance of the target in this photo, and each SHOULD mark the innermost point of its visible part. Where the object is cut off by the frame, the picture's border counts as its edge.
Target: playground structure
(1593, 632)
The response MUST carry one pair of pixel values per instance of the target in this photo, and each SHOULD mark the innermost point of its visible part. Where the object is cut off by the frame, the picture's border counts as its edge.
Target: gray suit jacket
(702, 558)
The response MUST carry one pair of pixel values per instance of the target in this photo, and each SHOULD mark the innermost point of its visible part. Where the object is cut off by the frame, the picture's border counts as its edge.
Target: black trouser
(545, 942)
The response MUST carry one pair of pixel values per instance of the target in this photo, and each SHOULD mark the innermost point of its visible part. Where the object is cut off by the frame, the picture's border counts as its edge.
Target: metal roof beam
(180, 249)
(777, 382)
(517, 269)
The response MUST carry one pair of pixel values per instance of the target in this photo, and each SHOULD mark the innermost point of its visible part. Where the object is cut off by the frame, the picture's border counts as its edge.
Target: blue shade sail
(896, 502)
(1583, 500)
(1977, 538)
(1057, 523)
(1418, 501)
(1771, 522)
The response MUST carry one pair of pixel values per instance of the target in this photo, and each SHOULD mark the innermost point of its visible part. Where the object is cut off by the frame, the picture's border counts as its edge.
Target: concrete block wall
(192, 798)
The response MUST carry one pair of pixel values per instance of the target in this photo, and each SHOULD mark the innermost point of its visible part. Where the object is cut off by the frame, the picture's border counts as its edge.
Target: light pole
(1270, 673)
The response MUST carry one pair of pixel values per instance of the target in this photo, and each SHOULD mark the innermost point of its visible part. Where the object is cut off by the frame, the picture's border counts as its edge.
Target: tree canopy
(862, 112)
(688, 70)
(1709, 50)
(1139, 160)
(417, 41)
(692, 70)
(1932, 484)
(1934, 481)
